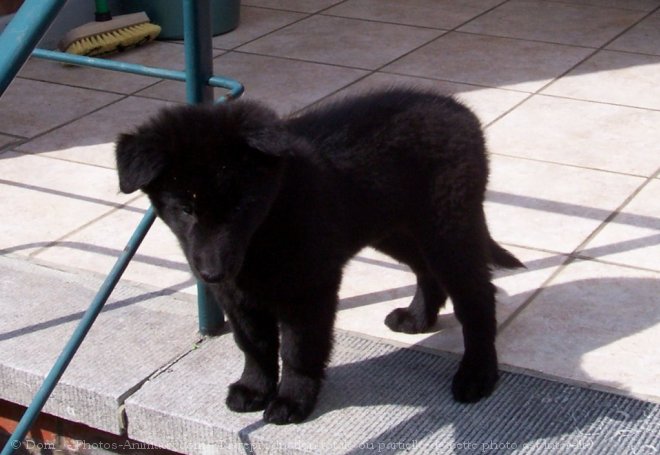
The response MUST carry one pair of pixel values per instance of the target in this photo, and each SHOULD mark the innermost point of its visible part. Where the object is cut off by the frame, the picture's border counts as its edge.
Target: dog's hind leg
(306, 332)
(429, 297)
(256, 334)
(459, 258)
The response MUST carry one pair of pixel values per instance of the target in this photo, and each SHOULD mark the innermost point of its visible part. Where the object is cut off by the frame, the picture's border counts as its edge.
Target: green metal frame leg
(22, 35)
(197, 37)
(78, 335)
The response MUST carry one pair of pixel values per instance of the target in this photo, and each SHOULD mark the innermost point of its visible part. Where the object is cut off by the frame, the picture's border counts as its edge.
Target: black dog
(268, 211)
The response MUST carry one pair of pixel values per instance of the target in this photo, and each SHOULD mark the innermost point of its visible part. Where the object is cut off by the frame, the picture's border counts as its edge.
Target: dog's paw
(402, 320)
(242, 398)
(282, 411)
(471, 384)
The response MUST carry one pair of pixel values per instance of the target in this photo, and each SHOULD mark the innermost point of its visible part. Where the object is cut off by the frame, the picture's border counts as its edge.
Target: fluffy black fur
(269, 210)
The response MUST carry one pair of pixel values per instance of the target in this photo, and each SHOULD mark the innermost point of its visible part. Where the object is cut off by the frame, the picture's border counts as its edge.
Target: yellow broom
(108, 35)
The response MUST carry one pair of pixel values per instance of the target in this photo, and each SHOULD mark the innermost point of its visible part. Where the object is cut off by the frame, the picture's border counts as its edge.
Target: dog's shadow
(410, 391)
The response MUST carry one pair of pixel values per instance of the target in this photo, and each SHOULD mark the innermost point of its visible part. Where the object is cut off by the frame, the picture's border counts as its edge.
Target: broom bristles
(98, 38)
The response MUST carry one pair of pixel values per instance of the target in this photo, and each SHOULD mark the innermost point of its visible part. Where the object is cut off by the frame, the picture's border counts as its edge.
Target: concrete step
(138, 332)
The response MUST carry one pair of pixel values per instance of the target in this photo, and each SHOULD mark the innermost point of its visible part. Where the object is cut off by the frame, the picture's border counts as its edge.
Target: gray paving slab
(138, 332)
(378, 398)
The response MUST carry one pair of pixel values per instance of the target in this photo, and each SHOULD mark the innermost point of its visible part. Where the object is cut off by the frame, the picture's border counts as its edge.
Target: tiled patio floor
(569, 94)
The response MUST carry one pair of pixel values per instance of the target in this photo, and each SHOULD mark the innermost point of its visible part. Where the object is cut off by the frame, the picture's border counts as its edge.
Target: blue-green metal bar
(78, 335)
(197, 35)
(210, 315)
(22, 35)
(235, 88)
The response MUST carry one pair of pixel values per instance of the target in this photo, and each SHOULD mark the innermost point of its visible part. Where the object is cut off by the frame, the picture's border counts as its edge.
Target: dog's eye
(187, 209)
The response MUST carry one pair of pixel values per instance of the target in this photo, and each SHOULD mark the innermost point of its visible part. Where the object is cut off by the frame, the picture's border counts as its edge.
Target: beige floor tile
(159, 261)
(341, 41)
(549, 206)
(31, 107)
(596, 324)
(613, 138)
(554, 22)
(643, 37)
(487, 103)
(47, 199)
(285, 85)
(306, 6)
(633, 236)
(91, 139)
(444, 14)
(255, 22)
(157, 53)
(375, 284)
(490, 61)
(614, 77)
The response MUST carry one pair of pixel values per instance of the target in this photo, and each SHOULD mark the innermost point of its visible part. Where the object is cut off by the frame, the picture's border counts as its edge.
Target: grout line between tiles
(56, 158)
(71, 85)
(477, 86)
(75, 119)
(322, 10)
(523, 306)
(617, 264)
(231, 49)
(137, 93)
(628, 52)
(311, 13)
(575, 166)
(270, 8)
(531, 40)
(294, 59)
(605, 103)
(377, 21)
(597, 6)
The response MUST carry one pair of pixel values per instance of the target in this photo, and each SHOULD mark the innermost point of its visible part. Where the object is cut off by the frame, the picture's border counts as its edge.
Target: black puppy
(268, 211)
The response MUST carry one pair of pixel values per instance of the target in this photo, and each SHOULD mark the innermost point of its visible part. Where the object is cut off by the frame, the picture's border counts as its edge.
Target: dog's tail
(500, 257)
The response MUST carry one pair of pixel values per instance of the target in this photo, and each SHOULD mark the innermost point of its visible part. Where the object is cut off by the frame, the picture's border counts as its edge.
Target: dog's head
(212, 174)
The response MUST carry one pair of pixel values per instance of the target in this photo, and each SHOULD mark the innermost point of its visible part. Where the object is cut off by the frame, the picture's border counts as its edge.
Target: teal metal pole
(78, 335)
(197, 36)
(22, 35)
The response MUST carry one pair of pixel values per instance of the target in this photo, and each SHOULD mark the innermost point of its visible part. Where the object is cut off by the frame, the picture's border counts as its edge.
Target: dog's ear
(138, 162)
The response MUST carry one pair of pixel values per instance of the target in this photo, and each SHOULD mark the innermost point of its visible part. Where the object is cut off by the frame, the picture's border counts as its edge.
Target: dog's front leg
(306, 332)
(256, 334)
